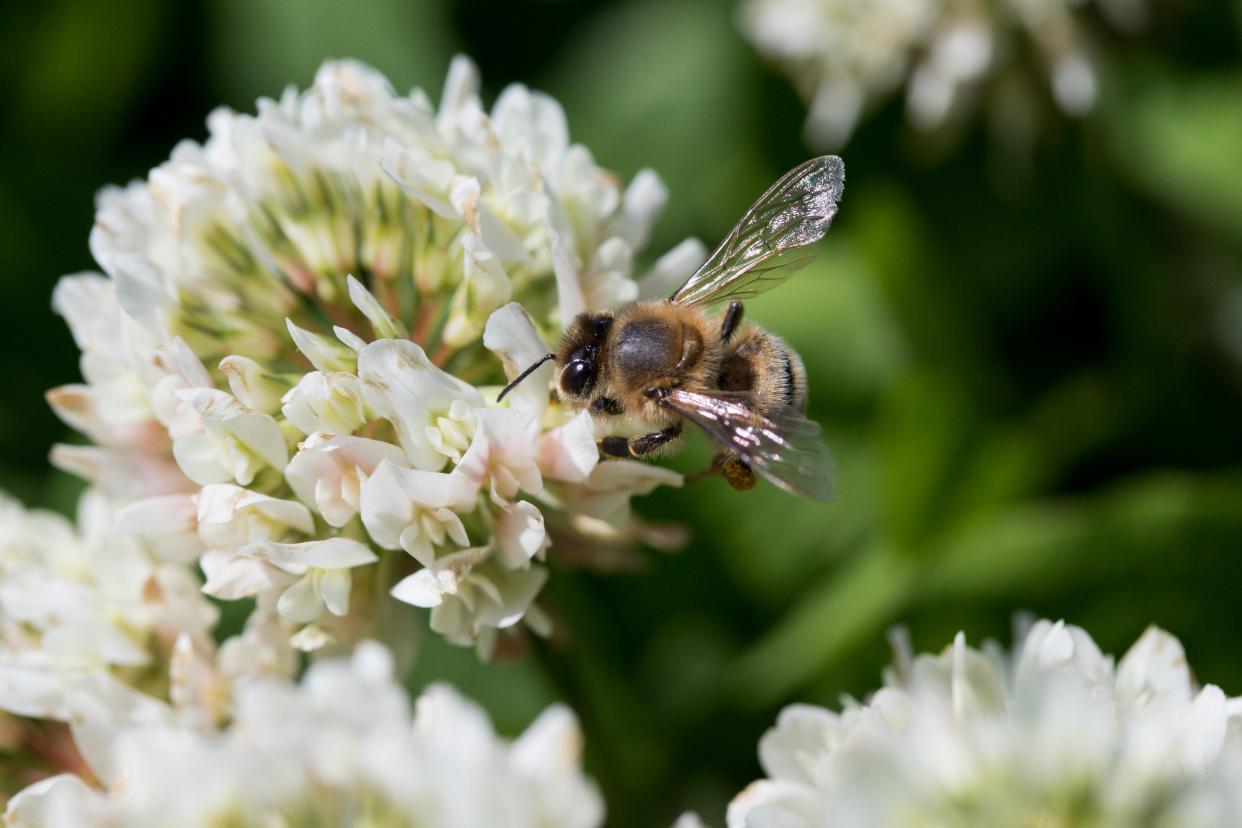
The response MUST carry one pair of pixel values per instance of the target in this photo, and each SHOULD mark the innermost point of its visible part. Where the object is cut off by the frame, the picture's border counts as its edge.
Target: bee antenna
(523, 375)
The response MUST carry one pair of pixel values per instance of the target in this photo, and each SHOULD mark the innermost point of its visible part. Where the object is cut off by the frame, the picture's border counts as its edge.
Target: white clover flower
(343, 745)
(85, 601)
(846, 55)
(1056, 734)
(291, 365)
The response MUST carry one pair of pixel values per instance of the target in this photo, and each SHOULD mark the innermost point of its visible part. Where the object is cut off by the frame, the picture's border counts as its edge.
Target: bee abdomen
(762, 365)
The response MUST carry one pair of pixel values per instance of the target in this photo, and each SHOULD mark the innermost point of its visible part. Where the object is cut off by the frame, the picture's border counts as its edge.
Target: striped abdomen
(761, 364)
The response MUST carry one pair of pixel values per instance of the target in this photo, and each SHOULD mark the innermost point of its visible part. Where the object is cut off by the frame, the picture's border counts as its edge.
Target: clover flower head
(951, 57)
(1054, 734)
(343, 741)
(292, 357)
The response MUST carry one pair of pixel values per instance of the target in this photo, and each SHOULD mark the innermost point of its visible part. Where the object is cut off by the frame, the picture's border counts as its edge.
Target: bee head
(578, 376)
(579, 354)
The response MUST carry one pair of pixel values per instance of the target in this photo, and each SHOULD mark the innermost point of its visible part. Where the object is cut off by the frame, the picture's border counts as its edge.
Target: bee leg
(732, 318)
(736, 472)
(732, 468)
(638, 446)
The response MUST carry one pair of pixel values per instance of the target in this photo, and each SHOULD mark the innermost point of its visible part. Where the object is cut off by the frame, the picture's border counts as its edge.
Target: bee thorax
(647, 347)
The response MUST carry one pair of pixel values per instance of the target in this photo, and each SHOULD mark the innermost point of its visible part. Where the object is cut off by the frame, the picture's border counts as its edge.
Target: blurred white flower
(340, 747)
(951, 56)
(292, 362)
(1056, 734)
(78, 603)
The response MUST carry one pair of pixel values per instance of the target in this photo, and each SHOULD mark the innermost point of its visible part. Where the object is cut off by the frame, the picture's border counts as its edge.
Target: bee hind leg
(732, 468)
(638, 446)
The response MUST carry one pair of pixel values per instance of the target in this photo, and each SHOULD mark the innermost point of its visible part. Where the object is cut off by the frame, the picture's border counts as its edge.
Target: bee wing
(784, 447)
(795, 212)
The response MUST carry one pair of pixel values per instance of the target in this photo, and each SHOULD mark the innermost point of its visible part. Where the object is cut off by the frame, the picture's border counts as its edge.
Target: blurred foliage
(1031, 377)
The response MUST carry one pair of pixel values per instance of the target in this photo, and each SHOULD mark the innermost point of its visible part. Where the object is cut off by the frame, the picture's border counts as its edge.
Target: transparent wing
(784, 447)
(795, 212)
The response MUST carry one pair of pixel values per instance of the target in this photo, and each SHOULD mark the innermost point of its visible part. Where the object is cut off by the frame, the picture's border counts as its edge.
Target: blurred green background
(1031, 377)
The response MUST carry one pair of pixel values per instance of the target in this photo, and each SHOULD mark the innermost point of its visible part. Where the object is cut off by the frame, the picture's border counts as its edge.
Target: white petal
(385, 326)
(162, 515)
(512, 336)
(58, 802)
(322, 352)
(569, 452)
(403, 386)
(1154, 669)
(296, 558)
(520, 533)
(672, 269)
(256, 388)
(230, 576)
(334, 585)
(423, 589)
(301, 602)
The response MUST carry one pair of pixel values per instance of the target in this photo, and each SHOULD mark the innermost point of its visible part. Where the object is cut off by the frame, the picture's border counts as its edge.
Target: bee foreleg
(732, 318)
(638, 446)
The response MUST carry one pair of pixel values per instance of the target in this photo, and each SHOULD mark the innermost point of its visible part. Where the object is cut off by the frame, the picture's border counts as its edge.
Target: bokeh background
(1030, 373)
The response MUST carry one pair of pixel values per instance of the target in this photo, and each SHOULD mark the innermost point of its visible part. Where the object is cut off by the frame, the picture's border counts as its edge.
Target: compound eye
(577, 376)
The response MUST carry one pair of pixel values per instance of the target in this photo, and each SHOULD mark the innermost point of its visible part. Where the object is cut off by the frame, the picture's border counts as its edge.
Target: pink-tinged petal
(512, 336)
(108, 418)
(230, 577)
(301, 602)
(520, 534)
(393, 499)
(297, 558)
(127, 473)
(161, 515)
(385, 508)
(327, 472)
(334, 586)
(221, 503)
(503, 452)
(194, 687)
(569, 452)
(87, 301)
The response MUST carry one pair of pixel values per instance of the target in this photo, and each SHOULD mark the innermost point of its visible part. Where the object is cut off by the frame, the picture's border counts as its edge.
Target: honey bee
(668, 362)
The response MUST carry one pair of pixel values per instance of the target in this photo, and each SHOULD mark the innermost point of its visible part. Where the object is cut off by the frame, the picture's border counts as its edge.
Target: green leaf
(1180, 138)
(831, 618)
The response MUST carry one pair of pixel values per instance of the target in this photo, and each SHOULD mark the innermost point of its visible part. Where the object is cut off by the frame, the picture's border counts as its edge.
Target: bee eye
(577, 376)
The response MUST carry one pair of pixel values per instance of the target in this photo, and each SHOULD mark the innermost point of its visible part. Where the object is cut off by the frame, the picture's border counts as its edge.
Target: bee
(668, 362)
